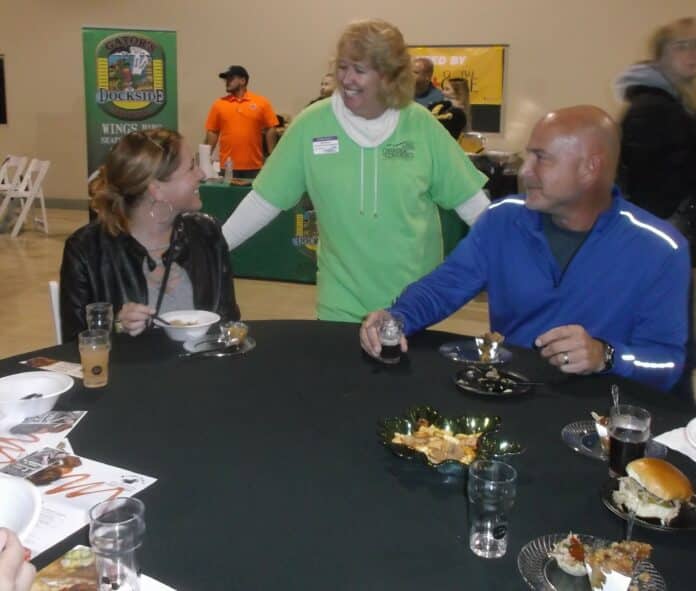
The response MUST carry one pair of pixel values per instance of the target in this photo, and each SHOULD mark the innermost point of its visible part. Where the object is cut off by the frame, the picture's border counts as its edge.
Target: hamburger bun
(661, 479)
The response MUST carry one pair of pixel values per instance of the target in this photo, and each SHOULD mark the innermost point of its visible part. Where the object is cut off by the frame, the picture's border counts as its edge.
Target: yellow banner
(481, 66)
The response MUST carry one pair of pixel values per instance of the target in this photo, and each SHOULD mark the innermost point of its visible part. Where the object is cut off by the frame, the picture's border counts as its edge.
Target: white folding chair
(29, 189)
(11, 173)
(54, 298)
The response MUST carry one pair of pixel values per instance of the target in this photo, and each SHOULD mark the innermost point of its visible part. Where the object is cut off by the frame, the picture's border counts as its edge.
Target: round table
(271, 476)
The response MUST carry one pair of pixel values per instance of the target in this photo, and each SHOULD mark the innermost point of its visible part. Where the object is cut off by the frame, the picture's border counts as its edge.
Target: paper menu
(35, 433)
(66, 367)
(70, 485)
(76, 568)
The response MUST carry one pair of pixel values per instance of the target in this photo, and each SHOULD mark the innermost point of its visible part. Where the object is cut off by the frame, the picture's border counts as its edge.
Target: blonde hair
(382, 45)
(658, 46)
(131, 165)
(460, 87)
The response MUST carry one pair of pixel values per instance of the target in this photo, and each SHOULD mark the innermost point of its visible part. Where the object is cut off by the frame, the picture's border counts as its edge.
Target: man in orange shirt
(240, 120)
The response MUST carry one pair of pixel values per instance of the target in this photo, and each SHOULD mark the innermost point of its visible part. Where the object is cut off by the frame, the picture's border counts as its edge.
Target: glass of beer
(94, 354)
(629, 432)
(390, 332)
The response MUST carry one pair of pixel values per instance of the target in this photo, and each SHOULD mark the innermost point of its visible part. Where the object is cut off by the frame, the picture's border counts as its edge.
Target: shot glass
(491, 490)
(116, 531)
(94, 354)
(390, 332)
(100, 315)
(629, 432)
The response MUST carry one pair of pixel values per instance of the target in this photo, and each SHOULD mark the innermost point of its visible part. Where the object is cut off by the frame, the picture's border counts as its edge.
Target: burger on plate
(653, 488)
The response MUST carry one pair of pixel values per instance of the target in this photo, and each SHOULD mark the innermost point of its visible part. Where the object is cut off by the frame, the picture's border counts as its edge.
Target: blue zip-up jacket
(626, 285)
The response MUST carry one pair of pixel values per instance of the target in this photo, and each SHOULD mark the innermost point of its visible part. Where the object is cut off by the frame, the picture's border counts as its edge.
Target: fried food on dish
(614, 565)
(440, 444)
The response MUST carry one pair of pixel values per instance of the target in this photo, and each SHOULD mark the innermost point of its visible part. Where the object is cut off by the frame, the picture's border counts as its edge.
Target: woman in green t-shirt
(376, 166)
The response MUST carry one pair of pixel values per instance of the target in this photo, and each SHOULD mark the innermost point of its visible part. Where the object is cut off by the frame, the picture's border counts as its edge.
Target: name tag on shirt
(325, 145)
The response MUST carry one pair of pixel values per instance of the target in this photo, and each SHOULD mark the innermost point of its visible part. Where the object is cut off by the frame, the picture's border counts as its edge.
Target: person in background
(326, 88)
(376, 167)
(658, 148)
(16, 573)
(243, 122)
(149, 251)
(453, 111)
(425, 93)
(592, 281)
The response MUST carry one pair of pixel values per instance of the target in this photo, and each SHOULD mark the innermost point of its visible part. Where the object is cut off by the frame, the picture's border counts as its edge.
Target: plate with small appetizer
(581, 562)
(484, 350)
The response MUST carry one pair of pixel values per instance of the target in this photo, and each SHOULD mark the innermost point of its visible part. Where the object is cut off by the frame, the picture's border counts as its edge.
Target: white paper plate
(691, 432)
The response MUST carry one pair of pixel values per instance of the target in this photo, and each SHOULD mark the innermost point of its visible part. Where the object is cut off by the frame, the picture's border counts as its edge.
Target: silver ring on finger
(566, 358)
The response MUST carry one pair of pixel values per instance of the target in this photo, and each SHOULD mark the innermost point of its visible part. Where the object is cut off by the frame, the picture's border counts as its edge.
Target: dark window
(3, 107)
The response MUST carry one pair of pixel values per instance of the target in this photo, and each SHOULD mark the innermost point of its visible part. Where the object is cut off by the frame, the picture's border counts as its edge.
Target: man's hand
(16, 574)
(571, 349)
(369, 334)
(211, 138)
(135, 318)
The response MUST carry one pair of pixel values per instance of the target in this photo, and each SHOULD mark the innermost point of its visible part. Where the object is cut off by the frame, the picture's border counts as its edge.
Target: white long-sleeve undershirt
(254, 213)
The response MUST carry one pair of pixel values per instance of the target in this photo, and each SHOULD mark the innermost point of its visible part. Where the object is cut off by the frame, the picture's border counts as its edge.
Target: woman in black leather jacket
(148, 251)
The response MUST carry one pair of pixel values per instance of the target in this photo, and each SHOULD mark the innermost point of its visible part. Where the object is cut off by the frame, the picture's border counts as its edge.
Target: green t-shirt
(376, 208)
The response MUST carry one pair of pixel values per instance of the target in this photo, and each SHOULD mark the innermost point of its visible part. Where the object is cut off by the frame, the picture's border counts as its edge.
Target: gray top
(178, 293)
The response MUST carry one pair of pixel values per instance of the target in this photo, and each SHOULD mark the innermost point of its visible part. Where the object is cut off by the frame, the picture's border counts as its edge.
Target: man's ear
(591, 168)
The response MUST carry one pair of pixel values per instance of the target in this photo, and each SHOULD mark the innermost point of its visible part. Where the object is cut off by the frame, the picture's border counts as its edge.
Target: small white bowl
(13, 388)
(21, 505)
(197, 323)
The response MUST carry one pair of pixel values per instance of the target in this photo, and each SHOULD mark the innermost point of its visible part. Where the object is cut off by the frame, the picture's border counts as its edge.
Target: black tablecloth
(270, 474)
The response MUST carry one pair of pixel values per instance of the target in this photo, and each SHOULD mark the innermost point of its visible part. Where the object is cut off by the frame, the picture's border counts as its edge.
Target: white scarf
(367, 133)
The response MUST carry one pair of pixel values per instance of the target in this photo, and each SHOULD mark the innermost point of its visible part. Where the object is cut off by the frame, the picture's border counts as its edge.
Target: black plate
(472, 380)
(490, 444)
(685, 521)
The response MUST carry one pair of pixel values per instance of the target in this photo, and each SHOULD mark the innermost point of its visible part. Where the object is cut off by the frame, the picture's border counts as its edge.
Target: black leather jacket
(98, 267)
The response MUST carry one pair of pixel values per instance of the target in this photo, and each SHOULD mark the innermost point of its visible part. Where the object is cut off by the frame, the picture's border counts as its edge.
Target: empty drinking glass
(116, 531)
(491, 489)
(100, 315)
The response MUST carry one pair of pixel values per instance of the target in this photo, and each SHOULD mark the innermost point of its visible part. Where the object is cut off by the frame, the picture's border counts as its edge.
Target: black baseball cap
(233, 71)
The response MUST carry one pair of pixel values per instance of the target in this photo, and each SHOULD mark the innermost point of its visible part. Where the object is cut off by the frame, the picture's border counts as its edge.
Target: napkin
(676, 440)
(204, 161)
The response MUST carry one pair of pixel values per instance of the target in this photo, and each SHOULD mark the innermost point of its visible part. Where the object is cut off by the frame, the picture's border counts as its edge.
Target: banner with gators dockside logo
(130, 85)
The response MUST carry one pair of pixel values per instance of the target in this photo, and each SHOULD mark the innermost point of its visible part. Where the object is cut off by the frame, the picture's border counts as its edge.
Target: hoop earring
(156, 214)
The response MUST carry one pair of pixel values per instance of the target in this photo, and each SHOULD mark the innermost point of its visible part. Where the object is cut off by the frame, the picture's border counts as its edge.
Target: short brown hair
(131, 165)
(382, 45)
(665, 34)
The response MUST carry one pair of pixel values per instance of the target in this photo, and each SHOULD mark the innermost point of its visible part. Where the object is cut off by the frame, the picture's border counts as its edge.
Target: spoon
(615, 394)
(630, 520)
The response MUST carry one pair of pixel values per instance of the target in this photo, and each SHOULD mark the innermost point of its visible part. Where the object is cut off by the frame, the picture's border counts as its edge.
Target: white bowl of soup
(186, 325)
